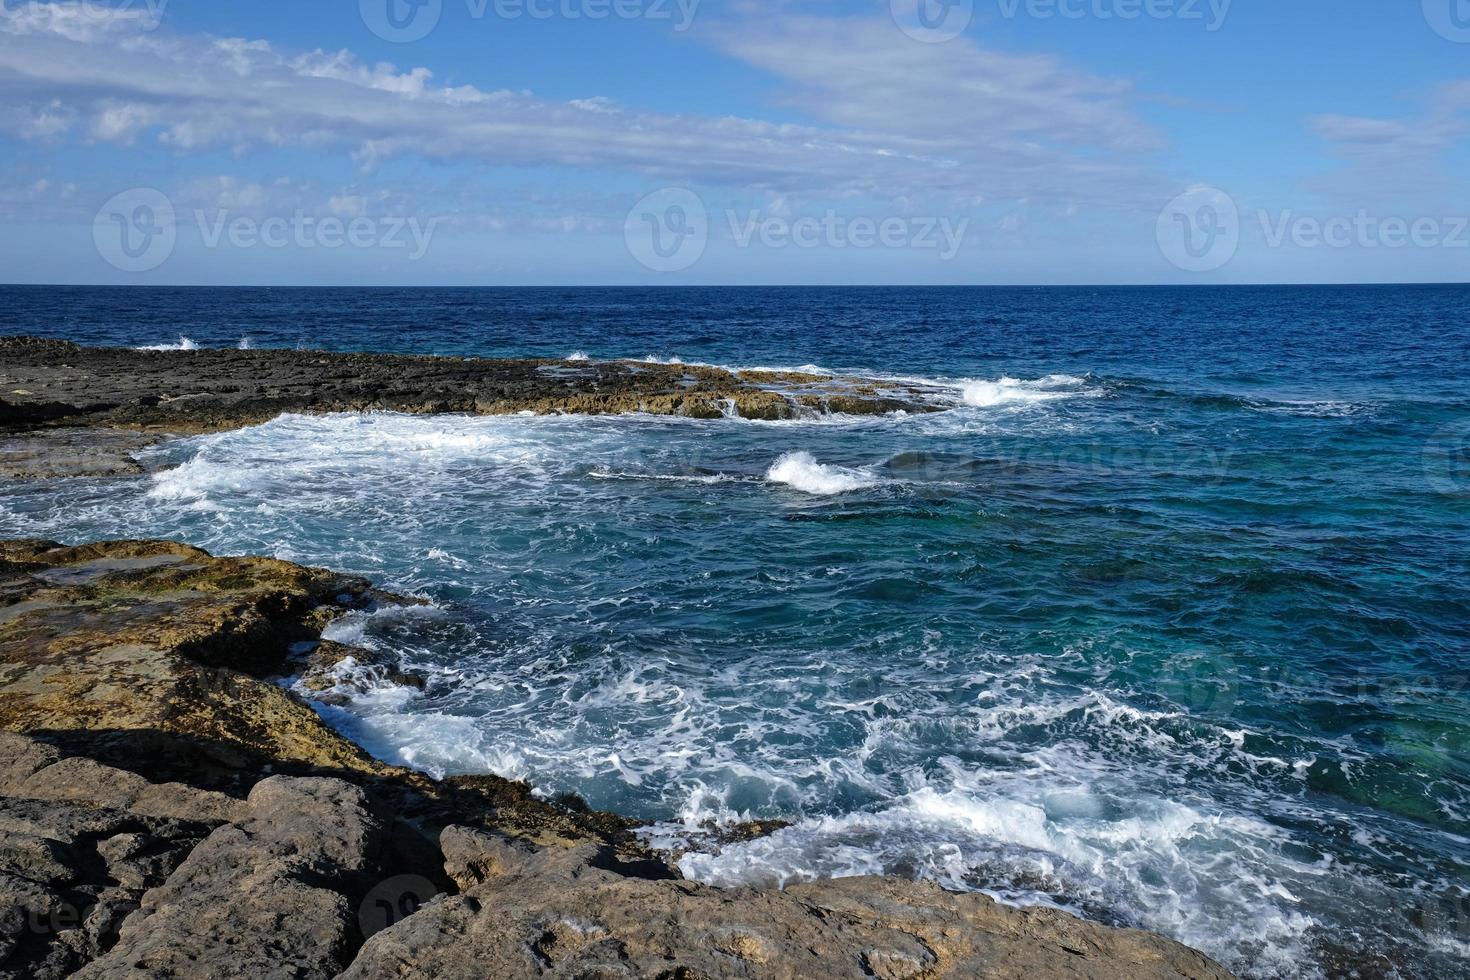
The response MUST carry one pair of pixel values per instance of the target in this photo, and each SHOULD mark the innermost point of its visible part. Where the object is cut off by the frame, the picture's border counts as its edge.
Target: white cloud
(1398, 163)
(862, 74)
(120, 122)
(892, 118)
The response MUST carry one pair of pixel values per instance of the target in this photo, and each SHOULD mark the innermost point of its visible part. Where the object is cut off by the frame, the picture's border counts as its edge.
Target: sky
(612, 142)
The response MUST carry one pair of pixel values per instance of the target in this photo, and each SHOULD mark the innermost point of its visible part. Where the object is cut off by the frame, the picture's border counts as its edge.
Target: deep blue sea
(1165, 619)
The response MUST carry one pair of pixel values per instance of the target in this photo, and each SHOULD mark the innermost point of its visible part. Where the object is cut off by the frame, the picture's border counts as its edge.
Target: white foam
(433, 742)
(1156, 867)
(577, 355)
(815, 369)
(1314, 409)
(184, 343)
(1011, 391)
(801, 471)
(1089, 799)
(705, 479)
(245, 344)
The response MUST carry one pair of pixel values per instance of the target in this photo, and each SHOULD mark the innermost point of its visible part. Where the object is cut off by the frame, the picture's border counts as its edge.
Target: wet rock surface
(51, 454)
(169, 809)
(49, 383)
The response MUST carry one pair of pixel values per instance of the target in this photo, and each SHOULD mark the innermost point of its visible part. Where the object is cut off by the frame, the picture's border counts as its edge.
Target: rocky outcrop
(526, 913)
(162, 659)
(168, 810)
(45, 383)
(79, 845)
(270, 895)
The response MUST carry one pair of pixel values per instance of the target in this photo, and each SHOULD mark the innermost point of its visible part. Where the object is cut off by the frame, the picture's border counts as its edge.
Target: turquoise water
(1164, 619)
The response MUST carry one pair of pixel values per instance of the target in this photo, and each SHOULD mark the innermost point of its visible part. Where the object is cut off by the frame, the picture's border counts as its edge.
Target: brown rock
(555, 914)
(55, 384)
(267, 897)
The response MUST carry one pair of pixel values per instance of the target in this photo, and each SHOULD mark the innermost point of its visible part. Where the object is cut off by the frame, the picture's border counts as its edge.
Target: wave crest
(801, 471)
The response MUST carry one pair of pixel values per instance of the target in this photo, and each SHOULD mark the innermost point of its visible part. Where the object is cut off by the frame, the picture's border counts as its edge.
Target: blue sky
(488, 142)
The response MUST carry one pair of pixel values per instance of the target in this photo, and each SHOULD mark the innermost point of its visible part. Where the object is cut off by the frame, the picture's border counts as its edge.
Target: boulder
(271, 896)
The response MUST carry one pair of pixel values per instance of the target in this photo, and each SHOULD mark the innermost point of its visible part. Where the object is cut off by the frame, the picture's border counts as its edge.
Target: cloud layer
(886, 117)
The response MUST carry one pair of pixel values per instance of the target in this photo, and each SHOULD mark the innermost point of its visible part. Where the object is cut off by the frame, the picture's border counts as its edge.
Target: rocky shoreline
(82, 411)
(169, 809)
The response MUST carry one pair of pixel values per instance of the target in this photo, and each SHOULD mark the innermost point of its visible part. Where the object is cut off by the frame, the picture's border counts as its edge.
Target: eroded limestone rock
(269, 896)
(555, 913)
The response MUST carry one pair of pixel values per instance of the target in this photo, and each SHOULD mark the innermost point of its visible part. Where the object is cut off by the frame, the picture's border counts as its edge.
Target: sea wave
(1011, 391)
(183, 343)
(1054, 846)
(801, 471)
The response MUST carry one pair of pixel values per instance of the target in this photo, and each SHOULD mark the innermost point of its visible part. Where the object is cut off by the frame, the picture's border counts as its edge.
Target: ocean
(1164, 619)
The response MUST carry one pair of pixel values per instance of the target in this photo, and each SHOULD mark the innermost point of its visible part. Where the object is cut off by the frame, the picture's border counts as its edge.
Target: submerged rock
(50, 454)
(169, 809)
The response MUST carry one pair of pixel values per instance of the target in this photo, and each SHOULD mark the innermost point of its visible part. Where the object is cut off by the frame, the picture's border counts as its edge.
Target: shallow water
(1164, 619)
